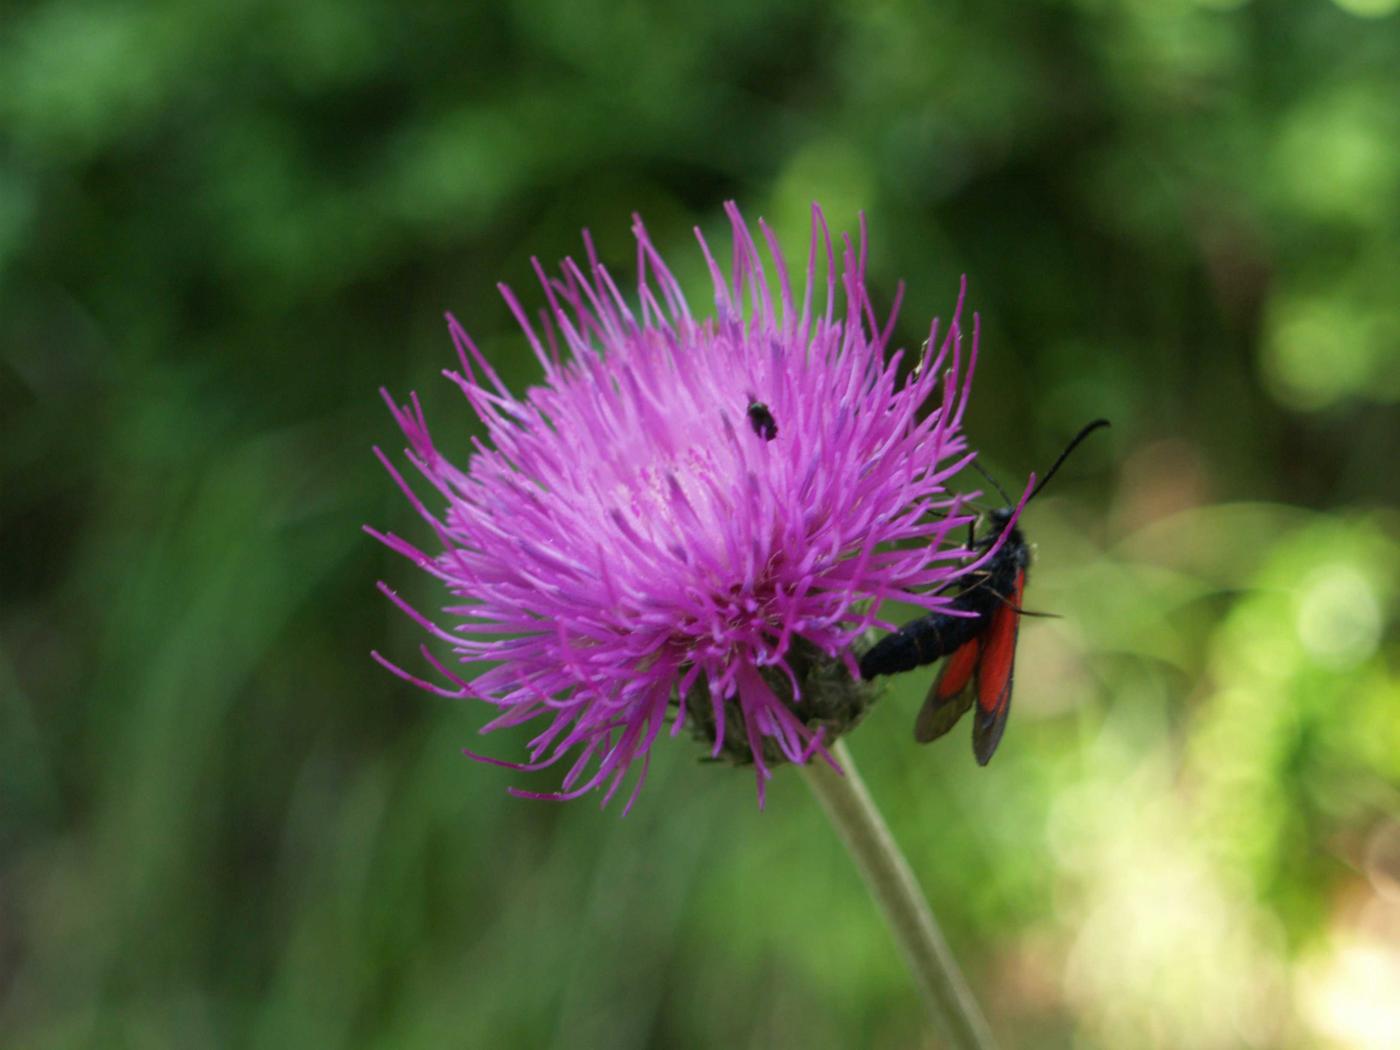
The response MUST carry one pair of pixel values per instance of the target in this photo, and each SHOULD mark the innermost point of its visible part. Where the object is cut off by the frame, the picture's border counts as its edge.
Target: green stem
(892, 884)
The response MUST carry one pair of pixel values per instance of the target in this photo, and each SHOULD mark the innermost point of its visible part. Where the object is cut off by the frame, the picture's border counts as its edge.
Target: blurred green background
(222, 227)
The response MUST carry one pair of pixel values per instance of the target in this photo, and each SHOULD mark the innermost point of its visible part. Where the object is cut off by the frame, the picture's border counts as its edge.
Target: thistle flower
(692, 520)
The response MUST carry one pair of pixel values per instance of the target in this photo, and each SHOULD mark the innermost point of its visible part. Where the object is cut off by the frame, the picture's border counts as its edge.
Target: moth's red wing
(950, 695)
(995, 672)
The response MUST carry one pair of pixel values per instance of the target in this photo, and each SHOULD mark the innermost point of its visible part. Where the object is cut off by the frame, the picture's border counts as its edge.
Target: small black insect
(981, 649)
(762, 421)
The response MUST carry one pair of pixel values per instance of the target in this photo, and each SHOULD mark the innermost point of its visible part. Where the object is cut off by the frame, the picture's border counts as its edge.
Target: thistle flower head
(691, 513)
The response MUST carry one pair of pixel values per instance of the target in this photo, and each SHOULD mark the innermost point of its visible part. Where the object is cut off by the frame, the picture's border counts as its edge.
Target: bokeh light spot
(1339, 617)
(1368, 8)
(1351, 996)
(1317, 352)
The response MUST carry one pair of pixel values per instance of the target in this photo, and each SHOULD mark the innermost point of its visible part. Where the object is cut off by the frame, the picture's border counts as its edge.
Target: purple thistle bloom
(690, 515)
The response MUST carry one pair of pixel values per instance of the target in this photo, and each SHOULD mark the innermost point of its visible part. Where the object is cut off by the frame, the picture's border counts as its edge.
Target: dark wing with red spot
(995, 672)
(950, 695)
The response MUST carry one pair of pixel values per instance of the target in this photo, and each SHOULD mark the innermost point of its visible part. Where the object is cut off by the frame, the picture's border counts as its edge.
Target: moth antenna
(1089, 429)
(982, 470)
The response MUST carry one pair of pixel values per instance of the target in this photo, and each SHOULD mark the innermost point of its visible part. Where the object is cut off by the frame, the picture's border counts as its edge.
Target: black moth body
(934, 636)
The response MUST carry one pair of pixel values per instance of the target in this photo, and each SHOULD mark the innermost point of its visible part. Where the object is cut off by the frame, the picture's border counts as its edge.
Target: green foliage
(222, 228)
